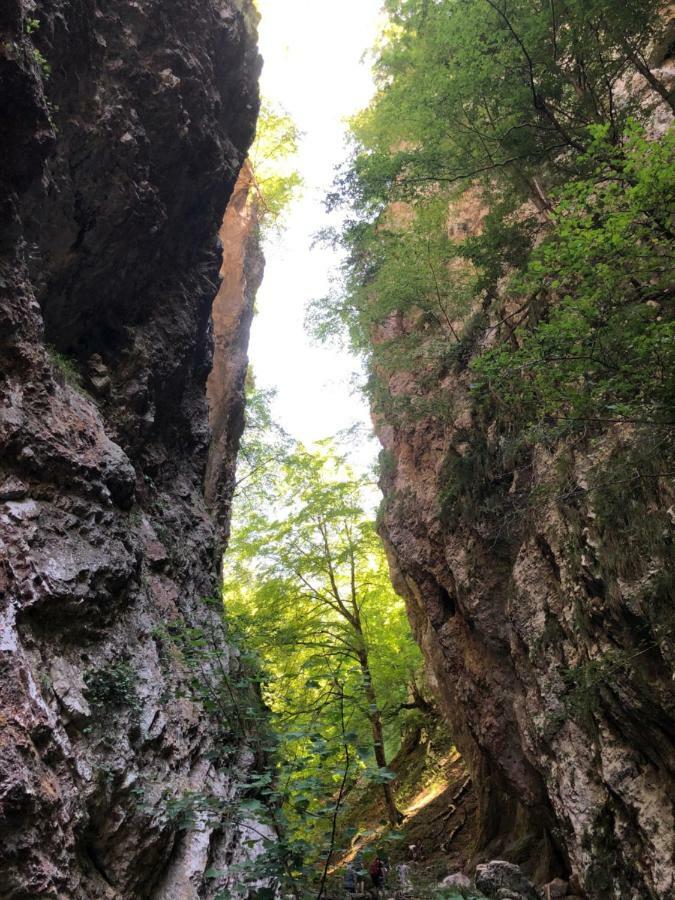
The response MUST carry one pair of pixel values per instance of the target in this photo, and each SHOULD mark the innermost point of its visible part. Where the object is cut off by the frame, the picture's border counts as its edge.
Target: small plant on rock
(112, 687)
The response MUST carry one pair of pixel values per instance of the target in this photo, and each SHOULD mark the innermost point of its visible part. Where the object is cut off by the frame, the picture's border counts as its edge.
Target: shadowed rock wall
(124, 127)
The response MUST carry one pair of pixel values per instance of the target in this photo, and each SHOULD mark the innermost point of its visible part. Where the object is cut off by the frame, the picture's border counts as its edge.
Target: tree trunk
(393, 814)
(656, 85)
(375, 716)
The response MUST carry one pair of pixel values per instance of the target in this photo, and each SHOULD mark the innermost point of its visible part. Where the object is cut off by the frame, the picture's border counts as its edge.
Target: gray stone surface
(458, 880)
(115, 173)
(504, 880)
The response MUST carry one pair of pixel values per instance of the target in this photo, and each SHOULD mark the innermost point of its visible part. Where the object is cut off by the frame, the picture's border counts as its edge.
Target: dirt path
(438, 833)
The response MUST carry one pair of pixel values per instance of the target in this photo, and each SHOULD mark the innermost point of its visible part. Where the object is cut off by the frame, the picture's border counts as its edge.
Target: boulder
(501, 880)
(458, 880)
(555, 889)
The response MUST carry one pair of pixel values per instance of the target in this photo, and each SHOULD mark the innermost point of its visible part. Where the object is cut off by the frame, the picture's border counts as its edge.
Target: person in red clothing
(377, 873)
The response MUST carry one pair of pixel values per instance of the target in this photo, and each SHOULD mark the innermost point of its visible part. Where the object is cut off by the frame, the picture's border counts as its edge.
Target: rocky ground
(434, 854)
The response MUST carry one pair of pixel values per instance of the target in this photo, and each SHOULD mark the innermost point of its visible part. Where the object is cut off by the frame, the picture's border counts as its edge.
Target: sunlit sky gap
(313, 53)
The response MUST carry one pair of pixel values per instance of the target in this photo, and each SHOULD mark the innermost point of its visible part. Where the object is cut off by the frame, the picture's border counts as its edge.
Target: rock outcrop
(537, 590)
(548, 636)
(232, 314)
(497, 879)
(125, 126)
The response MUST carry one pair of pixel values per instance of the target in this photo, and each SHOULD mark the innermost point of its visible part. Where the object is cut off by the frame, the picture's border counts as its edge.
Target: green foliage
(510, 219)
(306, 585)
(602, 345)
(42, 61)
(31, 25)
(276, 182)
(66, 368)
(112, 687)
(473, 90)
(469, 87)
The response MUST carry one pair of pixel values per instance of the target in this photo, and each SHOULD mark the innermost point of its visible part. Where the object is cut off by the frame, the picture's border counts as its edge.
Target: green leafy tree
(275, 180)
(309, 581)
(469, 88)
(523, 109)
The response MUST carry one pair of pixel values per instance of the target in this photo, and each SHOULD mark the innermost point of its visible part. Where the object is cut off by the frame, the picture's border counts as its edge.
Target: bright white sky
(312, 51)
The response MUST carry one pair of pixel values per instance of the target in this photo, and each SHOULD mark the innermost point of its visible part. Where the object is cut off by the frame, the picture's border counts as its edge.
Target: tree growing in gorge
(275, 181)
(307, 582)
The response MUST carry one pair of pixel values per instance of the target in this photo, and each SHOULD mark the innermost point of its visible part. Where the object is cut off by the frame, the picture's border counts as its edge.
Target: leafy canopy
(275, 180)
(517, 122)
(306, 585)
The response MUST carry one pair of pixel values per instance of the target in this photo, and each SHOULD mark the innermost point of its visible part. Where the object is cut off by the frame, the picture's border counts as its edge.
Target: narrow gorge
(476, 684)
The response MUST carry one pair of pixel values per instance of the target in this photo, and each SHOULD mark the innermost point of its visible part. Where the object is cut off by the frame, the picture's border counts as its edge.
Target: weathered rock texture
(553, 667)
(232, 314)
(546, 628)
(125, 125)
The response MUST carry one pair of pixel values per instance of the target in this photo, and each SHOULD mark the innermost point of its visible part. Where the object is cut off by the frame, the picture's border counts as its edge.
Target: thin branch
(338, 804)
(538, 101)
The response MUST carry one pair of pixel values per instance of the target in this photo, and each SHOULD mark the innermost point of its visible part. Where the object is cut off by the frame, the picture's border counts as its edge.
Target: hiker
(350, 883)
(377, 872)
(415, 852)
(403, 872)
(360, 874)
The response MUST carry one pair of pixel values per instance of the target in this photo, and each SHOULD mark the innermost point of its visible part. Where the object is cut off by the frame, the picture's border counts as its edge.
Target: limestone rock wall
(124, 126)
(547, 627)
(571, 780)
(232, 314)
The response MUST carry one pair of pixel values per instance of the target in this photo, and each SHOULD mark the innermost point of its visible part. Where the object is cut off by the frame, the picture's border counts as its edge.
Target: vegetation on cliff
(526, 105)
(509, 280)
(557, 300)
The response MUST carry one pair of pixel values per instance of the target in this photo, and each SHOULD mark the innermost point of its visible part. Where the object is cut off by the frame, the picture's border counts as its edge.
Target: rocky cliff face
(536, 589)
(125, 125)
(554, 676)
(232, 314)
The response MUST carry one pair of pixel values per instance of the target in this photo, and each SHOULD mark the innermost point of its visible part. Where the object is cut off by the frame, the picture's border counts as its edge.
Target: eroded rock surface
(552, 660)
(537, 590)
(232, 313)
(125, 125)
(499, 878)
